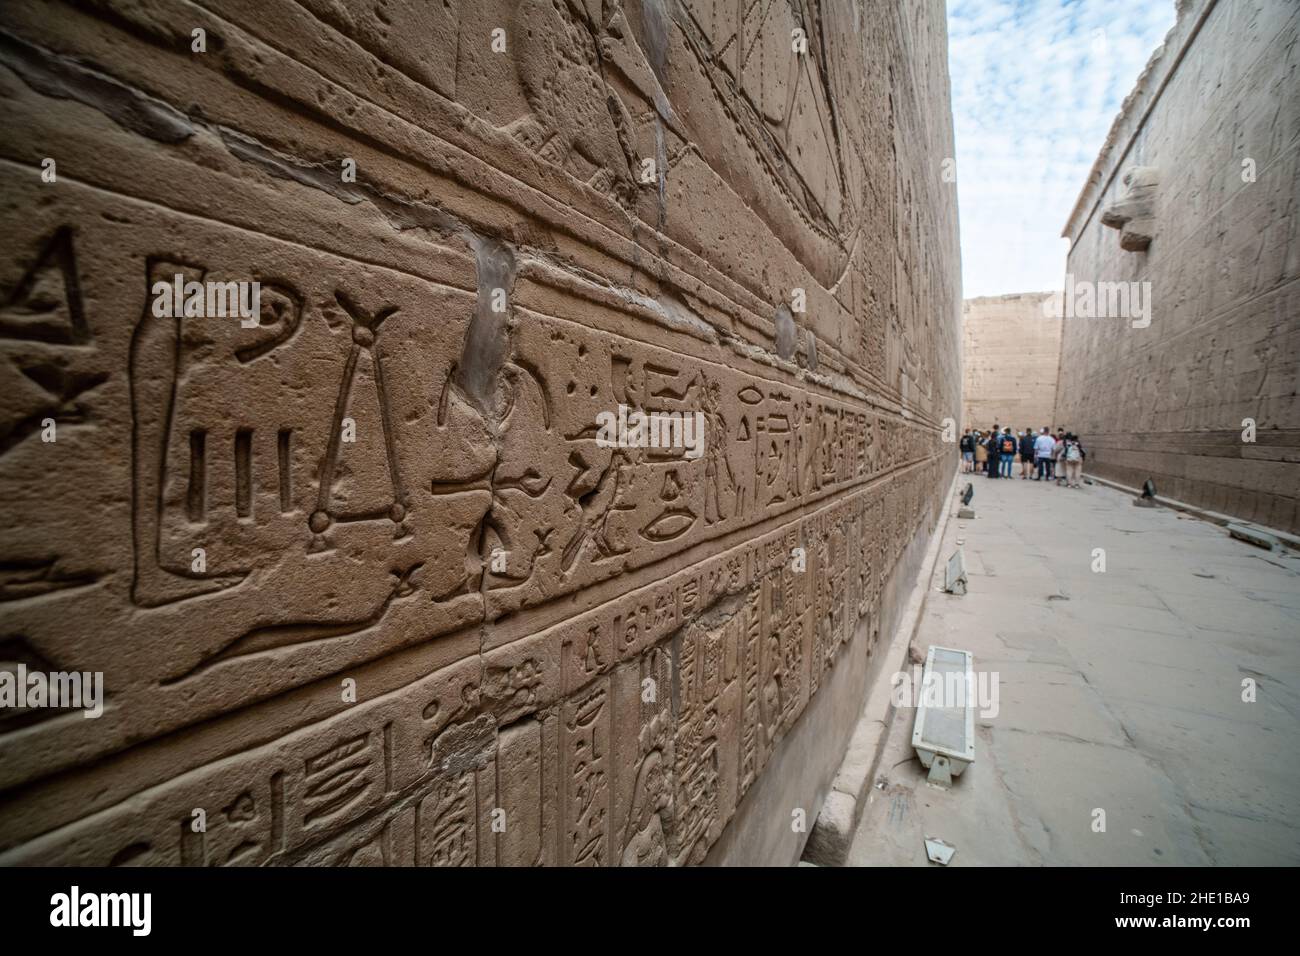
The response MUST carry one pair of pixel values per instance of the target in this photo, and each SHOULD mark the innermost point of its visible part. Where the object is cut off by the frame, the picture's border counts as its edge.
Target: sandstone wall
(1218, 105)
(1010, 352)
(362, 582)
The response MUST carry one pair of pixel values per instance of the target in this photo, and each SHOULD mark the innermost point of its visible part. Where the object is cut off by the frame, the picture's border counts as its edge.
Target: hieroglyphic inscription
(394, 477)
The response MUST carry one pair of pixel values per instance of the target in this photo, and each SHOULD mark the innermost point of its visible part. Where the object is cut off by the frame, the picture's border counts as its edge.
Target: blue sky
(1035, 86)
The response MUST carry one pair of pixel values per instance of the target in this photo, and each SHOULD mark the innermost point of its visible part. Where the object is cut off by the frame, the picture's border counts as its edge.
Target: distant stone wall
(1209, 217)
(365, 584)
(1010, 351)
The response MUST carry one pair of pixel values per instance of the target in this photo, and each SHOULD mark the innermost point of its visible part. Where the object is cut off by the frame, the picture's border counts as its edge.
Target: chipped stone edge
(1284, 538)
(832, 834)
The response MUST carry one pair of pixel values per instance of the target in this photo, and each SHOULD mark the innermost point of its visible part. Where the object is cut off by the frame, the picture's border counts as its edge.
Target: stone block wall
(1010, 351)
(363, 583)
(1203, 399)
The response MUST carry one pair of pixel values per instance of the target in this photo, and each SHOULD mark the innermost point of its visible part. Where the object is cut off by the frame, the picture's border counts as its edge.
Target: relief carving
(362, 573)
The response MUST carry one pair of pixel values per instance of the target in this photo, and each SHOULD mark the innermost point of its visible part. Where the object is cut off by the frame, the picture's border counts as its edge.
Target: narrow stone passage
(1118, 690)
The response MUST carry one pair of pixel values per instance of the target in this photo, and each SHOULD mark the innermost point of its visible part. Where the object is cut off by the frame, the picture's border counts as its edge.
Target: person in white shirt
(1043, 446)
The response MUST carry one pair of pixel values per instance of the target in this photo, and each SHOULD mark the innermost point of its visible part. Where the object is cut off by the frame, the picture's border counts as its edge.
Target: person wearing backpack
(968, 452)
(1006, 451)
(991, 445)
(1073, 458)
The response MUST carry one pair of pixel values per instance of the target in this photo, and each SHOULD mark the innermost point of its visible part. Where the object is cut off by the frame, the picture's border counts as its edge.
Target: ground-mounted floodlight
(966, 510)
(1148, 499)
(954, 578)
(944, 733)
(1253, 535)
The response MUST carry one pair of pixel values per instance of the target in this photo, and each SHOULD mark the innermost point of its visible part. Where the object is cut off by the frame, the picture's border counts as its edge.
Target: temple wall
(1011, 352)
(364, 583)
(1199, 393)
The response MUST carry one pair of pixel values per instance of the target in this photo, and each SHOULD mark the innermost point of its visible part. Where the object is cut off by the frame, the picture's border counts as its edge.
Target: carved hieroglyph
(563, 652)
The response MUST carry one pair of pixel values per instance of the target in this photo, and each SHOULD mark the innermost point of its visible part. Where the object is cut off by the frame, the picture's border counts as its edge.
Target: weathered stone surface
(1010, 350)
(1134, 213)
(394, 475)
(1203, 398)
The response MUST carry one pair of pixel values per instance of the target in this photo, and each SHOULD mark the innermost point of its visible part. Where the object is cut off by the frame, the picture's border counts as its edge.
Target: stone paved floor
(1119, 690)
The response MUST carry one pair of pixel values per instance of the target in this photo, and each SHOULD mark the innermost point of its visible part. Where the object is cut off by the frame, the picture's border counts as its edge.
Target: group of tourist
(1042, 457)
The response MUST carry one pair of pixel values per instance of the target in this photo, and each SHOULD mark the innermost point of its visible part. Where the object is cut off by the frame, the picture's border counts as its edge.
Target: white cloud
(1036, 85)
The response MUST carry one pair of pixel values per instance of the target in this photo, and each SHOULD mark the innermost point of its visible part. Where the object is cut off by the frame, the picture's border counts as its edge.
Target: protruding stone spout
(1134, 213)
